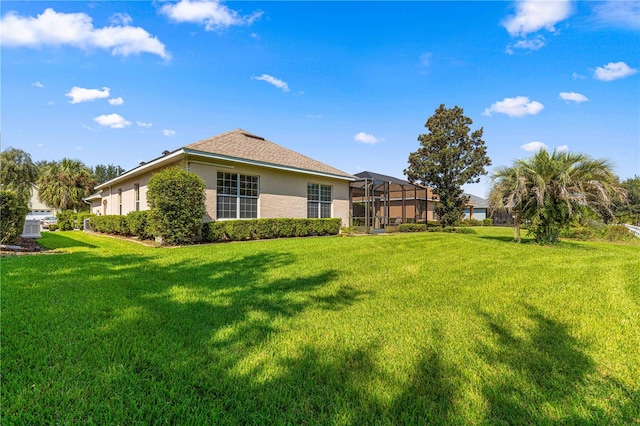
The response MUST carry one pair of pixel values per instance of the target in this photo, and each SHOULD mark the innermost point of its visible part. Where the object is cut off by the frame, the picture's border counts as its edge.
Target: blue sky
(347, 83)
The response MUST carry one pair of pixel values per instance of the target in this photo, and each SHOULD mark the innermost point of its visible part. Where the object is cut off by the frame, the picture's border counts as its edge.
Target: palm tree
(509, 193)
(63, 185)
(548, 190)
(18, 173)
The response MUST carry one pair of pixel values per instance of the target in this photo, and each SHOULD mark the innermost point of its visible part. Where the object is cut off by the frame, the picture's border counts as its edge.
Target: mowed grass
(397, 329)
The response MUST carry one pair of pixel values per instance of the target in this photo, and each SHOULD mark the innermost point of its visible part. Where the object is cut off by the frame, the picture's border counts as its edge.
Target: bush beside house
(176, 198)
(13, 212)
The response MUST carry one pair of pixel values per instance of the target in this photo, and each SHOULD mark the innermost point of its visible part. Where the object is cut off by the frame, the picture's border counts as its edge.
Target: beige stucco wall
(281, 193)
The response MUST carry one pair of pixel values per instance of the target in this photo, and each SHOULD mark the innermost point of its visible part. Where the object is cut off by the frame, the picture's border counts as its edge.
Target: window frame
(136, 195)
(318, 202)
(243, 196)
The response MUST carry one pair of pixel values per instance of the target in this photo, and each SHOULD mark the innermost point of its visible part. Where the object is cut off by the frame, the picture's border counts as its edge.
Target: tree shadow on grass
(545, 371)
(55, 240)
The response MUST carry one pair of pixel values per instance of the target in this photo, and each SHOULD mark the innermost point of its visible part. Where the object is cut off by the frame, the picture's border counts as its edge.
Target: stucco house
(246, 176)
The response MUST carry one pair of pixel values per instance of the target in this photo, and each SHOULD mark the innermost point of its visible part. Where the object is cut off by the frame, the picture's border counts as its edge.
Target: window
(237, 196)
(136, 192)
(318, 200)
(120, 201)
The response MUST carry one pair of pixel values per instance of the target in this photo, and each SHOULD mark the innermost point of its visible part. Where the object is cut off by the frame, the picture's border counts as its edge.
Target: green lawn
(398, 329)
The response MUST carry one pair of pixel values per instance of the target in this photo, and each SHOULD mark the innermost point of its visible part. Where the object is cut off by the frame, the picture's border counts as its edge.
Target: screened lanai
(379, 202)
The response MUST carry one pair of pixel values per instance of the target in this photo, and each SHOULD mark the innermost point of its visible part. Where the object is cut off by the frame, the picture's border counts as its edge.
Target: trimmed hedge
(66, 220)
(412, 227)
(259, 229)
(138, 223)
(13, 213)
(110, 224)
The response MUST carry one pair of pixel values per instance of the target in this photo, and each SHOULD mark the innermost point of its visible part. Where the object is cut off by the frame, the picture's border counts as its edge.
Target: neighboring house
(478, 208)
(246, 177)
(37, 209)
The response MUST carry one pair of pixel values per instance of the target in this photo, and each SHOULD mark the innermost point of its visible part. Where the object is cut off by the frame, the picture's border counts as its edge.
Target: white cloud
(115, 121)
(562, 148)
(625, 14)
(79, 94)
(535, 43)
(425, 59)
(534, 146)
(38, 85)
(573, 97)
(274, 81)
(515, 107)
(116, 101)
(613, 71)
(316, 116)
(534, 15)
(577, 76)
(121, 19)
(363, 137)
(212, 14)
(76, 29)
(143, 124)
(84, 126)
(169, 133)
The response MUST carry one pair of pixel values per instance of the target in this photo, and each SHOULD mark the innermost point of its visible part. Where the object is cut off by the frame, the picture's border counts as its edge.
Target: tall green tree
(104, 173)
(549, 190)
(18, 173)
(450, 155)
(64, 184)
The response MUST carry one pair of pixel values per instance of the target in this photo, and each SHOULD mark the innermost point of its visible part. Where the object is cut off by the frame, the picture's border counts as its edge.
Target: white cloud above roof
(114, 121)
(624, 14)
(534, 146)
(368, 138)
(562, 148)
(534, 15)
(212, 14)
(535, 43)
(80, 94)
(168, 133)
(143, 124)
(51, 28)
(273, 81)
(573, 97)
(613, 71)
(38, 85)
(515, 107)
(116, 101)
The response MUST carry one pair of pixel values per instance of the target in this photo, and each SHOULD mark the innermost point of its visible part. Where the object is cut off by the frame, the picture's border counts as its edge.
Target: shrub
(111, 224)
(487, 222)
(80, 217)
(472, 222)
(240, 230)
(412, 227)
(176, 198)
(465, 231)
(53, 227)
(13, 213)
(618, 233)
(138, 223)
(66, 220)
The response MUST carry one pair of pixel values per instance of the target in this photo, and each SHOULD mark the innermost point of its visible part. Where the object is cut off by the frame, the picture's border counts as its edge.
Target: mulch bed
(22, 246)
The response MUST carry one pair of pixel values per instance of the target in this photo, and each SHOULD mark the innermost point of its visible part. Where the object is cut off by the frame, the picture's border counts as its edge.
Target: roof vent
(142, 163)
(165, 152)
(249, 135)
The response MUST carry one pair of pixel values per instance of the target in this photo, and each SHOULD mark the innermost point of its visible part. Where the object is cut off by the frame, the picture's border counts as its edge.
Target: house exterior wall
(282, 194)
(479, 213)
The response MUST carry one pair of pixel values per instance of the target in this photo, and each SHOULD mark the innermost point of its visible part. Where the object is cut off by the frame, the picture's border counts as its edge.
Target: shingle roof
(478, 202)
(240, 144)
